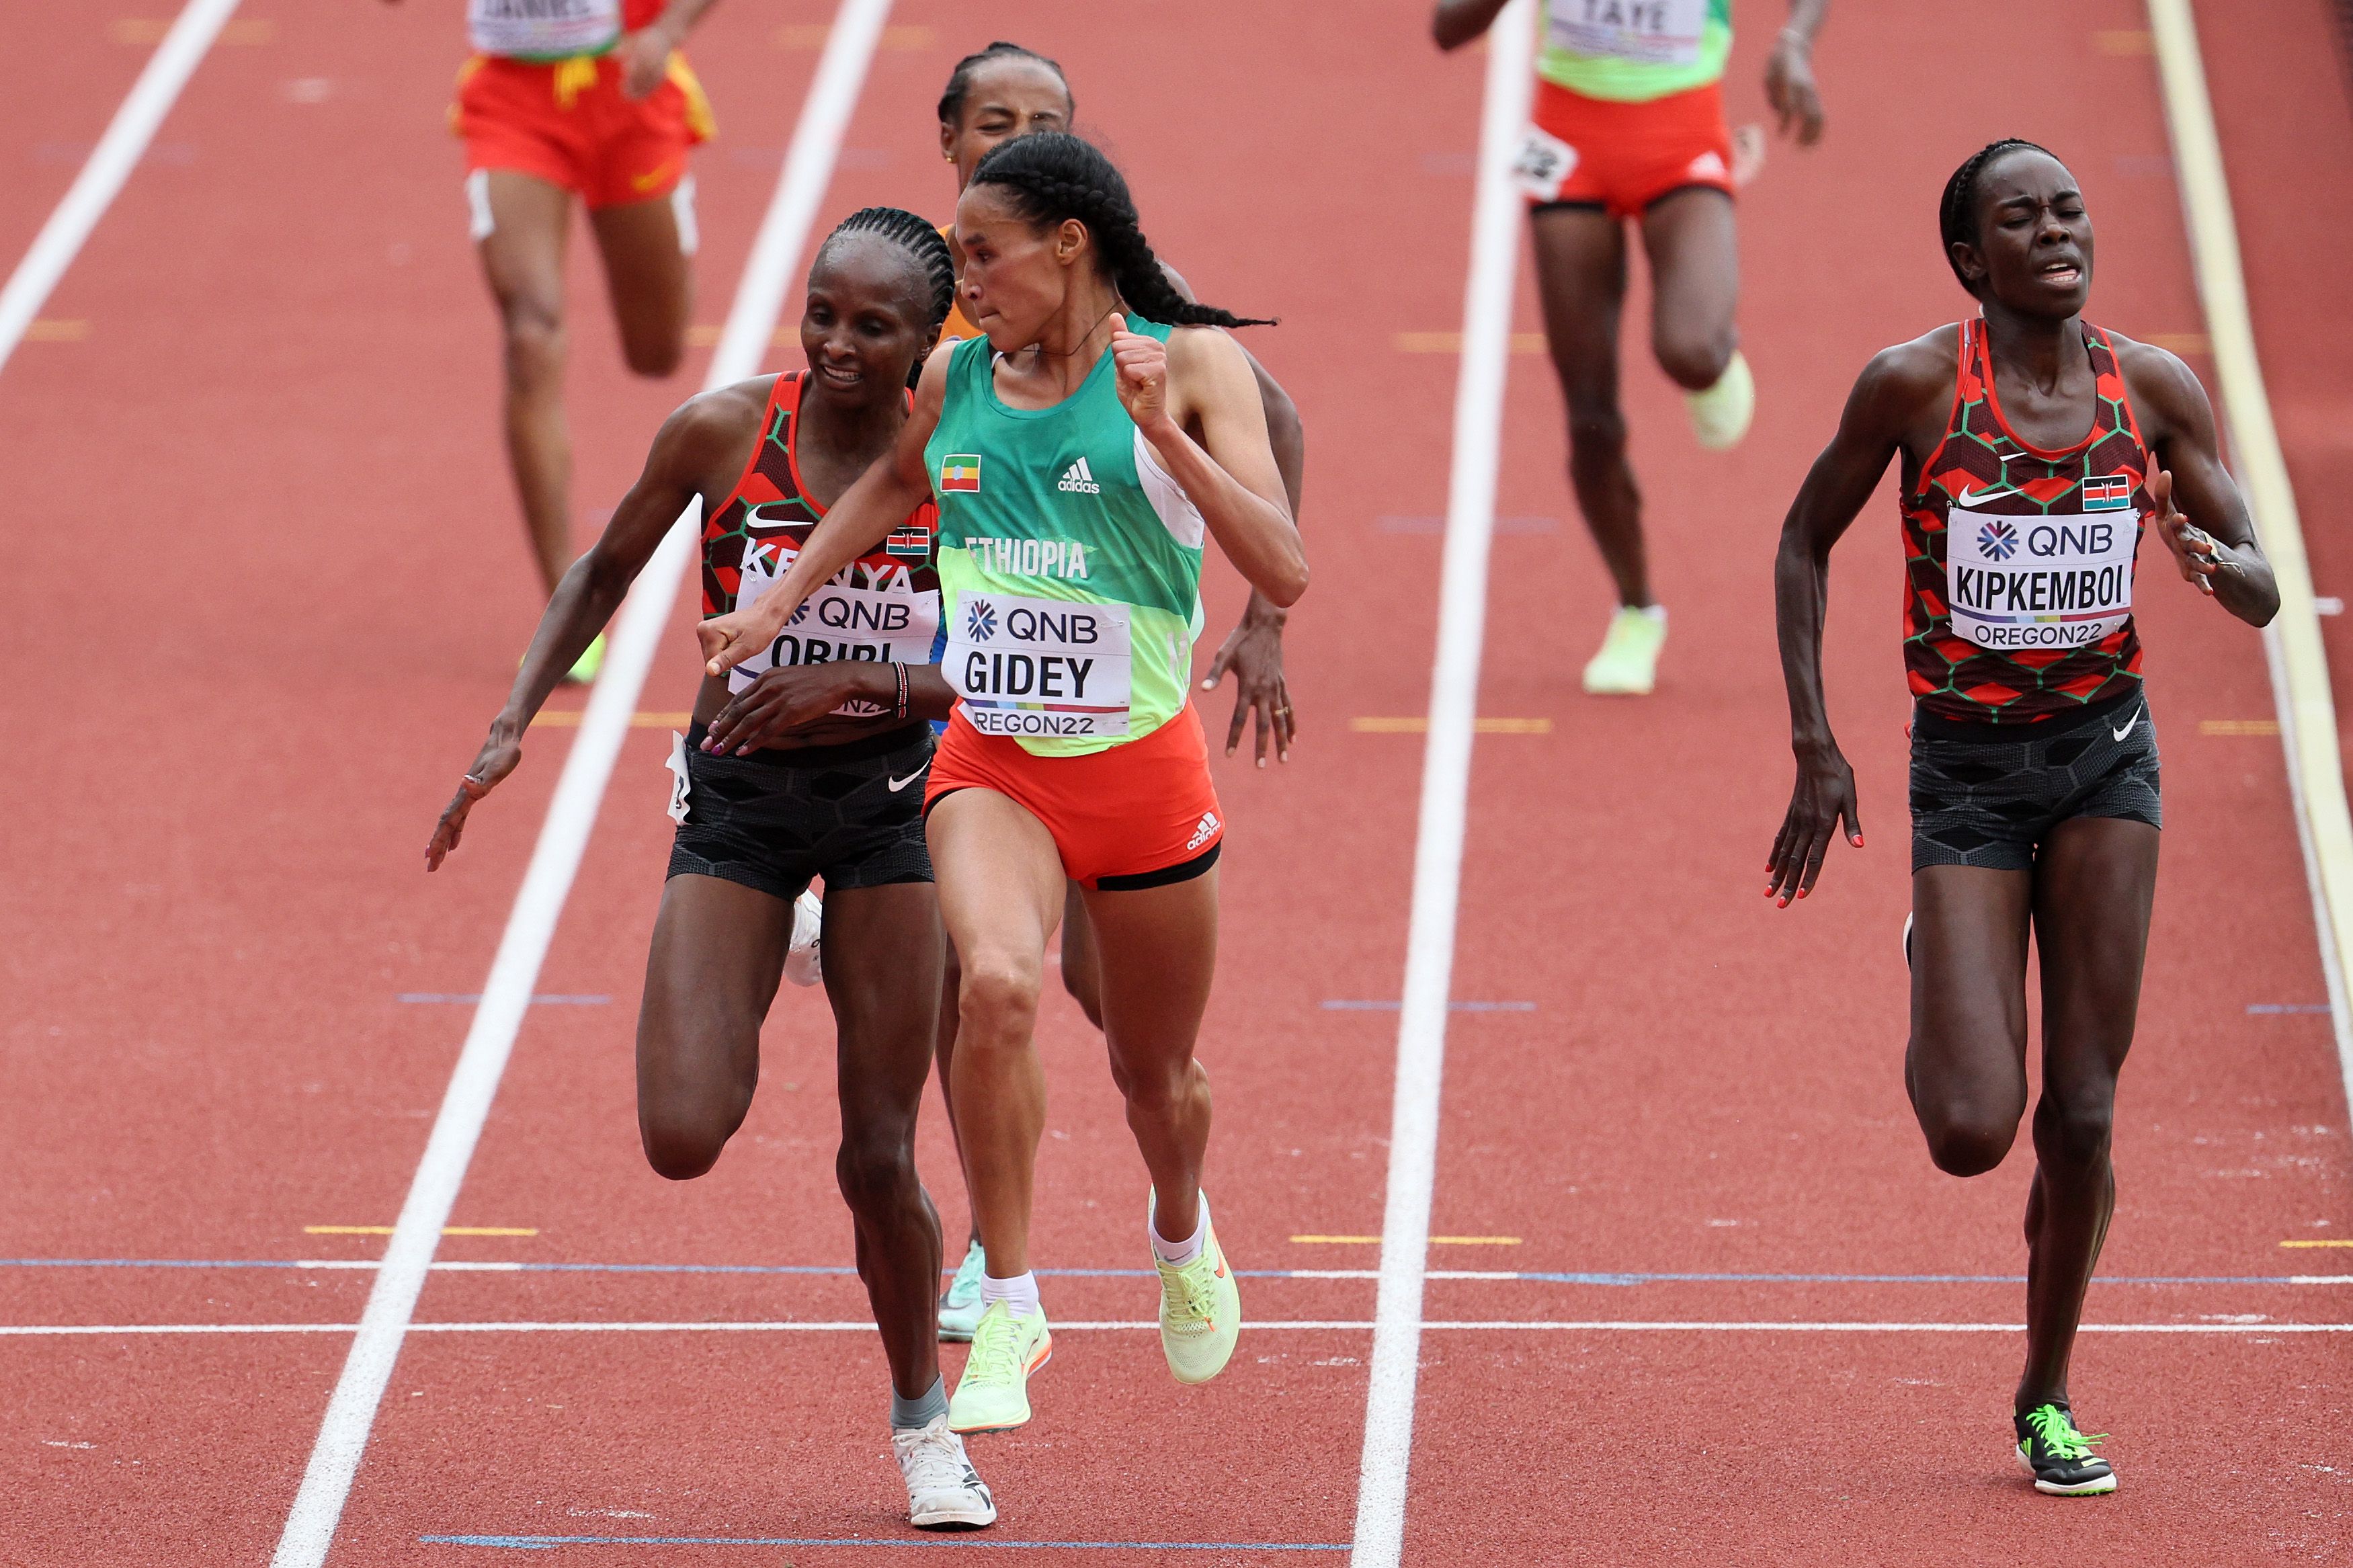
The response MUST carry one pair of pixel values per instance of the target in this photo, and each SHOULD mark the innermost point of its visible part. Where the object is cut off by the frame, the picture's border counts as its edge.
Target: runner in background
(831, 788)
(1081, 459)
(992, 96)
(587, 99)
(2035, 447)
(1629, 127)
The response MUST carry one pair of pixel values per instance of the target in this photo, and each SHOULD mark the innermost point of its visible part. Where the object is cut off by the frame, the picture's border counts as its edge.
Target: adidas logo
(1079, 479)
(1201, 834)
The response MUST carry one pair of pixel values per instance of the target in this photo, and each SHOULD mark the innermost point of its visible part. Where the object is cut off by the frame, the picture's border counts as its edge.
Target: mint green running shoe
(960, 1304)
(992, 1394)
(1720, 414)
(1628, 664)
(1201, 1309)
(592, 659)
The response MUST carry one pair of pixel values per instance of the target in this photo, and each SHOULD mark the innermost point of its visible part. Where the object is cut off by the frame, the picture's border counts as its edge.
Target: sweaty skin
(2086, 901)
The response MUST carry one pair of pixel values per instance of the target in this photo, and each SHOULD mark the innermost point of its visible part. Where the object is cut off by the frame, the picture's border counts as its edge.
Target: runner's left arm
(2199, 514)
(1253, 651)
(645, 54)
(1229, 474)
(1456, 21)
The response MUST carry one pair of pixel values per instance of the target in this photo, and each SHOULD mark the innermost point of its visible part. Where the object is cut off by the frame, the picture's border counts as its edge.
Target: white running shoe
(808, 925)
(1720, 414)
(944, 1491)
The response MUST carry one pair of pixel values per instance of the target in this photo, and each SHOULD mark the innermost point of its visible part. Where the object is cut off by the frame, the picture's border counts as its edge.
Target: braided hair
(1051, 177)
(921, 244)
(1956, 219)
(960, 79)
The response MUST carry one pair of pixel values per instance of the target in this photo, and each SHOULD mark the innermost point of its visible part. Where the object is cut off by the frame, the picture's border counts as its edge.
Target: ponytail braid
(921, 244)
(1957, 216)
(1052, 176)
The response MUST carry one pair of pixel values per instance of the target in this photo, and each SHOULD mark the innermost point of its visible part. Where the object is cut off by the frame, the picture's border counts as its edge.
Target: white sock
(1180, 1253)
(1020, 1293)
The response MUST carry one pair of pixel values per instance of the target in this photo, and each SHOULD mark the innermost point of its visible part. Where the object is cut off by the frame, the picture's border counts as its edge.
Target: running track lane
(574, 1435)
(1742, 1100)
(283, 410)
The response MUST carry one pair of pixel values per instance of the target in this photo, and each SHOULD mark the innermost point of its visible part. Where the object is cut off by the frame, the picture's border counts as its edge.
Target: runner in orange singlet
(2036, 447)
(588, 98)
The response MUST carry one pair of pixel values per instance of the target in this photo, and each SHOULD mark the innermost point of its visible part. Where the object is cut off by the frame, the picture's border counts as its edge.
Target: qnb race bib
(2038, 581)
(529, 28)
(888, 625)
(1650, 32)
(1047, 669)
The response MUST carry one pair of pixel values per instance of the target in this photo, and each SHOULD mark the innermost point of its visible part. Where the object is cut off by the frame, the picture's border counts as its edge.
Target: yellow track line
(2307, 710)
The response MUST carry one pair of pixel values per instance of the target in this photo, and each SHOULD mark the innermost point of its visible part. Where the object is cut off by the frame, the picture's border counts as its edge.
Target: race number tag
(1544, 164)
(543, 28)
(681, 782)
(1648, 32)
(1047, 669)
(2041, 580)
(893, 626)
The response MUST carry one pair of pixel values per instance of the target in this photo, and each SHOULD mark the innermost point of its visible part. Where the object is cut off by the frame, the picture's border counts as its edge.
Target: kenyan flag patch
(2109, 492)
(910, 544)
(958, 471)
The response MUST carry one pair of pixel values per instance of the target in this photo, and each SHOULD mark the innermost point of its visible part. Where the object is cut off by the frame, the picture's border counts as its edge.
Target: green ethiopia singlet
(1069, 562)
(1632, 51)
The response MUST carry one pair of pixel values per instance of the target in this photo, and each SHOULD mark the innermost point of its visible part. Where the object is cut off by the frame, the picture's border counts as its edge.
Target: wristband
(901, 670)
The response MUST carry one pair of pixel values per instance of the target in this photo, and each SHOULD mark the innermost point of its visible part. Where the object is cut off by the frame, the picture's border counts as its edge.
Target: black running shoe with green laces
(2060, 1457)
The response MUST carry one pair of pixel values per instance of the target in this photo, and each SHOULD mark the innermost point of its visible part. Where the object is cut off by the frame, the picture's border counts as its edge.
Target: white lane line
(2299, 663)
(1463, 1325)
(109, 163)
(1379, 1538)
(506, 995)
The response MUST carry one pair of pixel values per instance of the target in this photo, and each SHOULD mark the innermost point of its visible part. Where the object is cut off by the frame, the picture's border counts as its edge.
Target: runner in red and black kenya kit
(2035, 448)
(833, 788)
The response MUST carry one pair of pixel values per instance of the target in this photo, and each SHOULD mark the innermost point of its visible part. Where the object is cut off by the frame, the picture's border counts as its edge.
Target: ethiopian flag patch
(960, 471)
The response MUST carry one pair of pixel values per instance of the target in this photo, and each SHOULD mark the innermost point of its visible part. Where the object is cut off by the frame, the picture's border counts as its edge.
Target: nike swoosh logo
(898, 784)
(2127, 730)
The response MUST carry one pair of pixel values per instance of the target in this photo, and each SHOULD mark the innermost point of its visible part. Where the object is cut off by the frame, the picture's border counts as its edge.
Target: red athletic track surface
(266, 588)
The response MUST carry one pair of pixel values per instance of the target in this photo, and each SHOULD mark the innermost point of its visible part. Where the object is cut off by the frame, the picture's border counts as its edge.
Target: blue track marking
(965, 1543)
(1529, 1277)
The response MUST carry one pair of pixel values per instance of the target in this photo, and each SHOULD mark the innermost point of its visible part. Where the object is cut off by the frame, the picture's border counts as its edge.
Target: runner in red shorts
(1629, 125)
(588, 98)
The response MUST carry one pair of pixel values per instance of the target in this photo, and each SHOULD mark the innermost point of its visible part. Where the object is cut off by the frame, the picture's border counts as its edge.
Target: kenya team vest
(884, 606)
(1069, 562)
(2020, 560)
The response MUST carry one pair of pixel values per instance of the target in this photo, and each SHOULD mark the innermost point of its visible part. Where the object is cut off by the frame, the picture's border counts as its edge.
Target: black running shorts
(1985, 795)
(852, 813)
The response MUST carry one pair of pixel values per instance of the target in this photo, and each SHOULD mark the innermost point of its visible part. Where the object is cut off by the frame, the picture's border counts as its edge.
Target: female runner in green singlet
(1081, 466)
(825, 796)
(2035, 447)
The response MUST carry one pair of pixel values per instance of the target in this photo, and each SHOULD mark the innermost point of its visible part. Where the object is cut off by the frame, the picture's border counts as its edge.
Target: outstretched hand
(498, 758)
(1824, 797)
(1252, 652)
